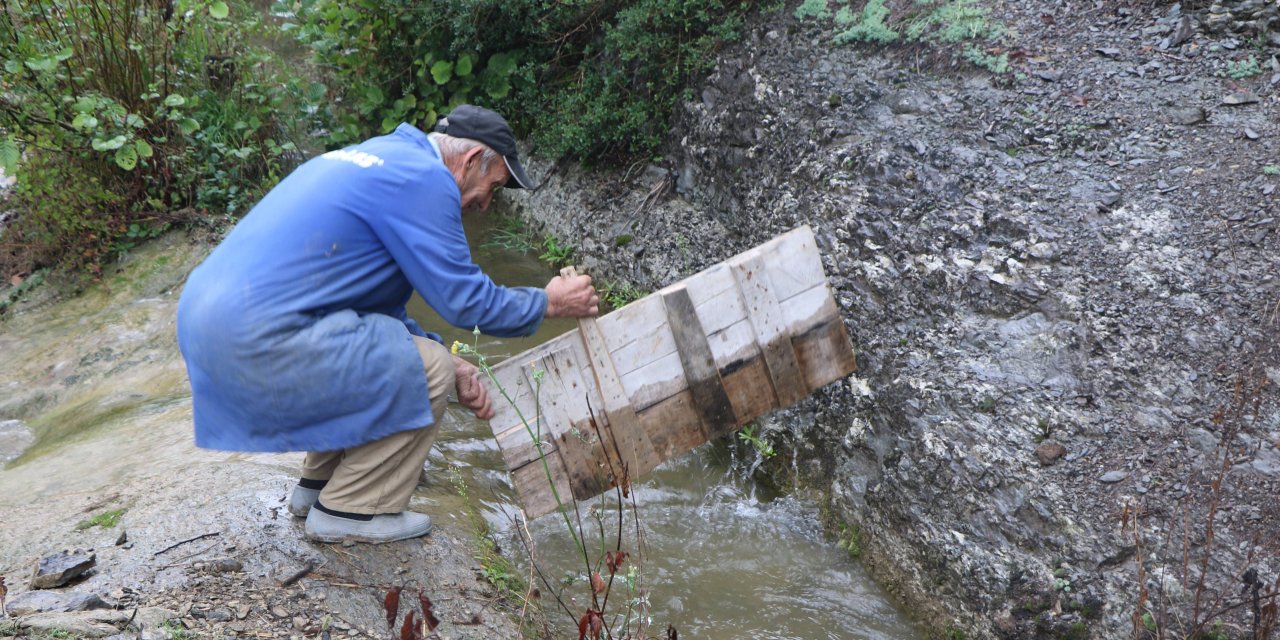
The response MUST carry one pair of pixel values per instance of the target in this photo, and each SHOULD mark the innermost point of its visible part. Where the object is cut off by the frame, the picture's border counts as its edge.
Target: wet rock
(15, 436)
(122, 538)
(60, 568)
(1049, 453)
(1112, 477)
(40, 601)
(1109, 52)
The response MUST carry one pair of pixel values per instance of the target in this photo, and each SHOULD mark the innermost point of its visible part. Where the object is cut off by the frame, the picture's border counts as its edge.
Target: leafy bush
(585, 77)
(116, 114)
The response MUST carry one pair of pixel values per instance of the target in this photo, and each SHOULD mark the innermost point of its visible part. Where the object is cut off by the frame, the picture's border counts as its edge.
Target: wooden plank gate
(666, 373)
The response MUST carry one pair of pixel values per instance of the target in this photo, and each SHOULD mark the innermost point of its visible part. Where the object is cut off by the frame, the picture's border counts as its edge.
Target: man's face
(478, 188)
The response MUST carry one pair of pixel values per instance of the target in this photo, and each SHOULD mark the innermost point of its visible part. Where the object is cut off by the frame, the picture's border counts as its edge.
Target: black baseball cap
(483, 125)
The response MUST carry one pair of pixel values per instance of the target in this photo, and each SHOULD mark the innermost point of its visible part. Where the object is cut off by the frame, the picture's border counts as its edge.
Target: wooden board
(599, 407)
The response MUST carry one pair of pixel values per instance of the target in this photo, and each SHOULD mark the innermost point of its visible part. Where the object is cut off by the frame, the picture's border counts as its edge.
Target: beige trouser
(379, 477)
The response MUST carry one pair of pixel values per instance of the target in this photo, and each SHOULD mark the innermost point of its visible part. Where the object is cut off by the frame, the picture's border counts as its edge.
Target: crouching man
(294, 328)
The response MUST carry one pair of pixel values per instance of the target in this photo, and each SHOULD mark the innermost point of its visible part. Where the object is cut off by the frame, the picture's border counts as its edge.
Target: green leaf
(373, 94)
(174, 100)
(127, 157)
(41, 64)
(12, 66)
(108, 145)
(85, 121)
(317, 91)
(219, 10)
(442, 71)
(502, 64)
(497, 86)
(188, 126)
(463, 69)
(135, 121)
(9, 156)
(65, 54)
(144, 149)
(1148, 621)
(84, 104)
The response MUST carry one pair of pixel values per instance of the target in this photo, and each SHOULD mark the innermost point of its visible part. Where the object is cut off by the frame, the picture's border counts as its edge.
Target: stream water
(724, 557)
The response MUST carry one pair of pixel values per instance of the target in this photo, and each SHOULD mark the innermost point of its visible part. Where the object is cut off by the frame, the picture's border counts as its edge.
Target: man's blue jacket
(294, 329)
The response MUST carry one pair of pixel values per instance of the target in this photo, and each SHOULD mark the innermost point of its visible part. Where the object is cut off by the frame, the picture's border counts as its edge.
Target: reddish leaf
(410, 630)
(16, 279)
(1046, 18)
(392, 606)
(590, 624)
(1079, 100)
(597, 583)
(428, 616)
(614, 560)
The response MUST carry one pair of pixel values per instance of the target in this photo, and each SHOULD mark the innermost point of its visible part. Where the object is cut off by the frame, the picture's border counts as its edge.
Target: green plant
(987, 404)
(554, 253)
(850, 539)
(618, 295)
(588, 78)
(602, 553)
(106, 520)
(126, 100)
(1241, 69)
(1044, 430)
(749, 436)
(1271, 170)
(865, 26)
(812, 9)
(495, 568)
(964, 27)
(174, 630)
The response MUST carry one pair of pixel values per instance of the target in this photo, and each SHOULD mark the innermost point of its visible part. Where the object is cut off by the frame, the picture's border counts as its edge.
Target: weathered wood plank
(700, 370)
(534, 490)
(771, 330)
(698, 359)
(672, 426)
(825, 354)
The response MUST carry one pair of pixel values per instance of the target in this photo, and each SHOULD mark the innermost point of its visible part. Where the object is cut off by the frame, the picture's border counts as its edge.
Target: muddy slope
(1056, 281)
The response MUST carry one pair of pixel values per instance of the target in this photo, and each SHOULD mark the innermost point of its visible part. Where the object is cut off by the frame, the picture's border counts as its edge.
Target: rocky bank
(1061, 283)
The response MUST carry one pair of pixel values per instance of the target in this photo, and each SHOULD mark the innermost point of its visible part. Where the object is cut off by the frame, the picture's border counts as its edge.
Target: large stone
(1049, 452)
(81, 624)
(62, 567)
(32, 602)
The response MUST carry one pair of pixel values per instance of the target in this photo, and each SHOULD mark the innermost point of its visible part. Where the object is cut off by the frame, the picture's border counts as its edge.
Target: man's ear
(472, 154)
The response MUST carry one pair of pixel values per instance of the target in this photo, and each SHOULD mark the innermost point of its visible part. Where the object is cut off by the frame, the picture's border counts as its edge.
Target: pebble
(279, 612)
(299, 623)
(1112, 477)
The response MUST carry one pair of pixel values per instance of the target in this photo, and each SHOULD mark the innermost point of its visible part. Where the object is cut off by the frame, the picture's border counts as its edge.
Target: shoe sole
(359, 538)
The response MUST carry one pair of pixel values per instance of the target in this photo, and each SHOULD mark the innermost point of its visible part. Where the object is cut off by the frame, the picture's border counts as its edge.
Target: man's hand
(572, 297)
(471, 394)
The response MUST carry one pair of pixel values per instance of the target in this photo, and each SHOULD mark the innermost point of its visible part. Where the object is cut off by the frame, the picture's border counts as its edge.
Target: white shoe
(301, 499)
(384, 527)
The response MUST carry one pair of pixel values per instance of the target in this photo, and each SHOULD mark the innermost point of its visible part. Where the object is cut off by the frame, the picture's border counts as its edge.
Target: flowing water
(724, 556)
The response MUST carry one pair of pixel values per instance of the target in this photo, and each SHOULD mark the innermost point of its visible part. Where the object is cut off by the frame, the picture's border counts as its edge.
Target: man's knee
(438, 364)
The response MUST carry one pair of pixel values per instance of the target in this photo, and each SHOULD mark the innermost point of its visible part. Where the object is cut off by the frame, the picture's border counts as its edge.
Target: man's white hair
(451, 146)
